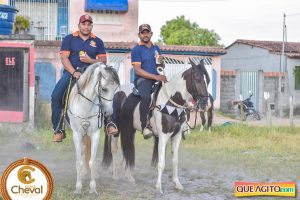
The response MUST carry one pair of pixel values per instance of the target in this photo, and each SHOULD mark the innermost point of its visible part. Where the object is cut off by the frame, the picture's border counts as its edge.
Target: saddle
(154, 92)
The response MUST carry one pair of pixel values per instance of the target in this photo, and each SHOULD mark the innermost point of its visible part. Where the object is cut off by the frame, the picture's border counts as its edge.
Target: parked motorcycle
(246, 108)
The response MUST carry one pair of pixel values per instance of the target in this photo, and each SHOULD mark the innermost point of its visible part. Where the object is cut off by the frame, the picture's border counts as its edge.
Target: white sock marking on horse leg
(114, 150)
(94, 147)
(129, 175)
(163, 139)
(175, 147)
(77, 138)
(201, 128)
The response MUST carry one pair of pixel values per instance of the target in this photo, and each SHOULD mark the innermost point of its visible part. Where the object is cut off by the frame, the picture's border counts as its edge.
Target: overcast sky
(231, 19)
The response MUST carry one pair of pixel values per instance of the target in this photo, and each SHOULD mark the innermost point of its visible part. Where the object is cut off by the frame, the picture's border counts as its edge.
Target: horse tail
(128, 131)
(155, 152)
(118, 101)
(86, 151)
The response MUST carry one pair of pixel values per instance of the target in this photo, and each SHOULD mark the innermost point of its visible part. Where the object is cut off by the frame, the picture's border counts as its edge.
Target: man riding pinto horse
(143, 58)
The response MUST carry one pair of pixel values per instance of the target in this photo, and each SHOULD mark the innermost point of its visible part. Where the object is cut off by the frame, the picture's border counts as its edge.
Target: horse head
(196, 84)
(107, 84)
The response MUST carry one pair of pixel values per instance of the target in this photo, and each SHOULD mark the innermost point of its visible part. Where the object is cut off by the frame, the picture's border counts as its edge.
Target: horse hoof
(94, 193)
(179, 187)
(77, 194)
(115, 177)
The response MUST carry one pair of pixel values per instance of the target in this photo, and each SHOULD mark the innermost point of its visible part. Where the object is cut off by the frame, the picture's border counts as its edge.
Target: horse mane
(113, 74)
(87, 75)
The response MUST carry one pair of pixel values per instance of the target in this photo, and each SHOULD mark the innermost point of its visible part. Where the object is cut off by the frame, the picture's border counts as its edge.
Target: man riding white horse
(78, 51)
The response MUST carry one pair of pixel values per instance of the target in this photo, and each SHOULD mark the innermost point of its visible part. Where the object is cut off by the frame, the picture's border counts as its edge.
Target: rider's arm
(101, 54)
(142, 73)
(65, 51)
(64, 57)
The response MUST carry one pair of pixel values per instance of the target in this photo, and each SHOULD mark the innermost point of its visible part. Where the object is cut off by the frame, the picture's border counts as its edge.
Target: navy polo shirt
(72, 44)
(145, 56)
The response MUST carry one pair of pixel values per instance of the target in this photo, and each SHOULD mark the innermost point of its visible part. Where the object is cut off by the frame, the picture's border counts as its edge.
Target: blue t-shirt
(145, 56)
(72, 45)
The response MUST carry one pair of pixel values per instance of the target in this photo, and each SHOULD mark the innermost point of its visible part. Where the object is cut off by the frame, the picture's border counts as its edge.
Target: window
(297, 77)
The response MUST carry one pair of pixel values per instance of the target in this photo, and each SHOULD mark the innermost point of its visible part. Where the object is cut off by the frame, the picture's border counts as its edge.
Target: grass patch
(239, 138)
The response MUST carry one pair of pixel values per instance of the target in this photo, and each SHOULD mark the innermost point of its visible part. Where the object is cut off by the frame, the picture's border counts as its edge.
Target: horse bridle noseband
(100, 105)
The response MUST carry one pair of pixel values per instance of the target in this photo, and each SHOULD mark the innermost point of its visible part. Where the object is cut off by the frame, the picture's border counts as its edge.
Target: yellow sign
(26, 179)
(246, 189)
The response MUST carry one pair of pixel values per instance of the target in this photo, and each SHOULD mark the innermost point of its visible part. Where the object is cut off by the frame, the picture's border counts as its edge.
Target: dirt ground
(208, 177)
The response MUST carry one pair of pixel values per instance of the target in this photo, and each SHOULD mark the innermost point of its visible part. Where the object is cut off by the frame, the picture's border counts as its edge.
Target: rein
(99, 114)
(160, 71)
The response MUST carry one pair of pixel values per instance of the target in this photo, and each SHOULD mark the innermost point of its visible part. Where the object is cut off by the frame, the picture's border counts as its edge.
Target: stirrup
(111, 128)
(147, 132)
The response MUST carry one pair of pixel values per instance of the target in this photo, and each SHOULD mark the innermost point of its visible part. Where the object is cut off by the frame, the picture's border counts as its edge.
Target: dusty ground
(203, 176)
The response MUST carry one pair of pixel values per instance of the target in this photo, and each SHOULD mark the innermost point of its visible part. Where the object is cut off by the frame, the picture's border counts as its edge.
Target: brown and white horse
(167, 121)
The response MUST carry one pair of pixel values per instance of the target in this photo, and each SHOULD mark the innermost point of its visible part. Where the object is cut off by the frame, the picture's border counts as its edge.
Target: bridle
(99, 114)
(198, 98)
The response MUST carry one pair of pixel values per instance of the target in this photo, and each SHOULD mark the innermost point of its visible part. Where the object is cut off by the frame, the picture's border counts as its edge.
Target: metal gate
(249, 83)
(117, 61)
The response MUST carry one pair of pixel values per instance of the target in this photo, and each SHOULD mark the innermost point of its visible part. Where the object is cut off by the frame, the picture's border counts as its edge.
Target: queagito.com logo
(287, 189)
(26, 179)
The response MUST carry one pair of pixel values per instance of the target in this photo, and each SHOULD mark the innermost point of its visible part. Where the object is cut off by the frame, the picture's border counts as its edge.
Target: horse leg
(163, 139)
(175, 147)
(78, 143)
(210, 118)
(92, 163)
(203, 120)
(114, 150)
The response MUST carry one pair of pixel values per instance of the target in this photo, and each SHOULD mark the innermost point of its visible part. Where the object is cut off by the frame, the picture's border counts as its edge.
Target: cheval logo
(26, 179)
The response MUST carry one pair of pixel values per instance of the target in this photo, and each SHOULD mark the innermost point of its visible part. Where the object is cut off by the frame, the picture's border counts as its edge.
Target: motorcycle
(246, 108)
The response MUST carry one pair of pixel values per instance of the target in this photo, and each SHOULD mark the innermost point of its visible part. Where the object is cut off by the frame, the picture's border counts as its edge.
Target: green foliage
(21, 24)
(297, 77)
(181, 31)
(297, 73)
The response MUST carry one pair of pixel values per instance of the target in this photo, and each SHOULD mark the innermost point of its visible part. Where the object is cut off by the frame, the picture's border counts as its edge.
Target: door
(11, 79)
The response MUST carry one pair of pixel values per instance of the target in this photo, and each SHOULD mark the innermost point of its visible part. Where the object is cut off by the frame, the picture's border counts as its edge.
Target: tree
(21, 24)
(181, 31)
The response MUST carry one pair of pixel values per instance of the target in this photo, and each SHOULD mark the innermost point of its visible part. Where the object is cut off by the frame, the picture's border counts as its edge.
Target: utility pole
(282, 60)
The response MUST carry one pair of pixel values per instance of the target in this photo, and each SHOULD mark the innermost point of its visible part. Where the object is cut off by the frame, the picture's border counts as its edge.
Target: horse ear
(192, 62)
(201, 64)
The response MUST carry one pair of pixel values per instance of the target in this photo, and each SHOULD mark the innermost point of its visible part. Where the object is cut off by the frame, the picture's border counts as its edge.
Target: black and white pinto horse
(90, 99)
(167, 121)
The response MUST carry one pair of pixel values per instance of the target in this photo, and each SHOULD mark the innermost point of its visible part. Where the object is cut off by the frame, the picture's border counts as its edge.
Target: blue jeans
(144, 87)
(57, 98)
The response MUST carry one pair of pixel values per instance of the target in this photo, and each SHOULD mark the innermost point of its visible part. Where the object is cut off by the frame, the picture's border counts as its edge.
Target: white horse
(90, 99)
(167, 121)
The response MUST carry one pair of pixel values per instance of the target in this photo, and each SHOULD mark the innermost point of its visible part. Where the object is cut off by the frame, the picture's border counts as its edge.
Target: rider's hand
(76, 74)
(86, 59)
(161, 78)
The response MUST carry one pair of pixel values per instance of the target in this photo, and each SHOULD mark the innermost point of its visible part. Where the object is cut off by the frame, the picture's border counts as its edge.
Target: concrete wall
(248, 58)
(125, 30)
(228, 83)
